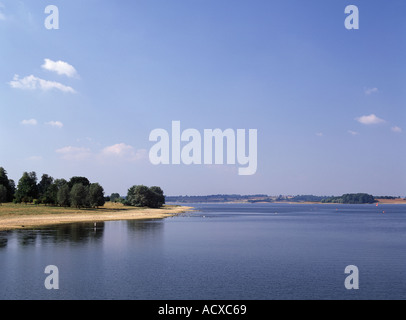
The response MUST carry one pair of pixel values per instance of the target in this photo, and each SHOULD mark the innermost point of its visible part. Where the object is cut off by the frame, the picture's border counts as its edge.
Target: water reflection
(68, 233)
(148, 226)
(3, 239)
(77, 233)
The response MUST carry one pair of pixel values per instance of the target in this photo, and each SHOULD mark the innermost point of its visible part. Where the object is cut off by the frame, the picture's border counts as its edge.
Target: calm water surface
(221, 251)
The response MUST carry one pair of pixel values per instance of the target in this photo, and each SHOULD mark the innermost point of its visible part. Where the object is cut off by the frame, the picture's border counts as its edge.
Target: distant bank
(350, 198)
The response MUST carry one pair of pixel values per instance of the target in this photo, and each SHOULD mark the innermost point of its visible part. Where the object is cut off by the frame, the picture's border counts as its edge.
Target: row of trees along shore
(78, 192)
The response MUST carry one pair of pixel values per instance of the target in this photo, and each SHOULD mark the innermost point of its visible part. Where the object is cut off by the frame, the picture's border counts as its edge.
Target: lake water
(220, 251)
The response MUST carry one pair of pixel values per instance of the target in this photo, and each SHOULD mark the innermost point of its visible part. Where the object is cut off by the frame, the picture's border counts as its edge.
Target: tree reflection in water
(67, 233)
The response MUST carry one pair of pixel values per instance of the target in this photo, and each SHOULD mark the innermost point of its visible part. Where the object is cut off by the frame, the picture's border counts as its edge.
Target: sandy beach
(13, 217)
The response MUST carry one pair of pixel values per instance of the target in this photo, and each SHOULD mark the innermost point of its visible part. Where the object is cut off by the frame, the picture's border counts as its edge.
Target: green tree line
(78, 192)
(351, 198)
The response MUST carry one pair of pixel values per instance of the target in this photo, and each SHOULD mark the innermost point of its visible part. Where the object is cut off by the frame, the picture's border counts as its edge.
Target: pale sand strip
(29, 221)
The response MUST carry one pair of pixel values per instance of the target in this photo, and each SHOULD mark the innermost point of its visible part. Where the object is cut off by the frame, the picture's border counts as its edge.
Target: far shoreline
(12, 217)
(378, 201)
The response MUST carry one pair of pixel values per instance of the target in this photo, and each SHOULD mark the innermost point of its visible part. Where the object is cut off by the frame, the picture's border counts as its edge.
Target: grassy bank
(20, 216)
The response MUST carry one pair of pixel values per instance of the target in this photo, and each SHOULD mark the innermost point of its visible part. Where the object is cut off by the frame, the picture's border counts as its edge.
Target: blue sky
(328, 103)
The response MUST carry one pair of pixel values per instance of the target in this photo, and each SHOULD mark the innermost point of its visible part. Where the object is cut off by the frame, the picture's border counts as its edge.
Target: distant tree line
(307, 198)
(386, 197)
(78, 192)
(217, 198)
(351, 198)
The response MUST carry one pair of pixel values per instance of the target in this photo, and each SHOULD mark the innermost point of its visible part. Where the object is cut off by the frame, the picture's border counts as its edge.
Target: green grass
(11, 209)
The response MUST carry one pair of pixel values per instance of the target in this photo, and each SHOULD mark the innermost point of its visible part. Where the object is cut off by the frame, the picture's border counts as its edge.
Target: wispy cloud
(33, 83)
(354, 133)
(30, 122)
(2, 15)
(60, 67)
(319, 134)
(124, 151)
(117, 152)
(35, 158)
(371, 119)
(369, 91)
(396, 129)
(56, 124)
(74, 153)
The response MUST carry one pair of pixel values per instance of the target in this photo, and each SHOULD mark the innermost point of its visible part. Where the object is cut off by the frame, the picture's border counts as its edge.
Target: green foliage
(27, 188)
(47, 190)
(74, 180)
(351, 198)
(8, 184)
(78, 196)
(3, 194)
(142, 196)
(307, 198)
(115, 197)
(63, 196)
(158, 198)
(95, 195)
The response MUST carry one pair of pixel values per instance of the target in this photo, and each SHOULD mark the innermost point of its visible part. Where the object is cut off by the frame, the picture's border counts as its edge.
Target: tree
(139, 196)
(351, 198)
(96, 195)
(60, 182)
(115, 197)
(63, 196)
(27, 189)
(78, 196)
(51, 195)
(11, 190)
(8, 184)
(158, 198)
(46, 193)
(142, 196)
(3, 194)
(74, 180)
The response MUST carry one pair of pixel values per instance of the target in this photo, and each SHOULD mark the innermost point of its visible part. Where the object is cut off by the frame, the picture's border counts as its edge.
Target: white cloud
(30, 122)
(369, 91)
(124, 151)
(32, 83)
(319, 134)
(120, 151)
(354, 133)
(34, 158)
(60, 67)
(74, 153)
(2, 15)
(371, 119)
(56, 124)
(396, 129)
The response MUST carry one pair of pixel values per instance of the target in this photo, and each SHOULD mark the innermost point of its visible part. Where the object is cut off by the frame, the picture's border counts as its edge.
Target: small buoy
(383, 211)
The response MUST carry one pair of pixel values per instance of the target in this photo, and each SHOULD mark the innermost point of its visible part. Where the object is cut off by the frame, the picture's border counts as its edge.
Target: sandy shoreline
(30, 221)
